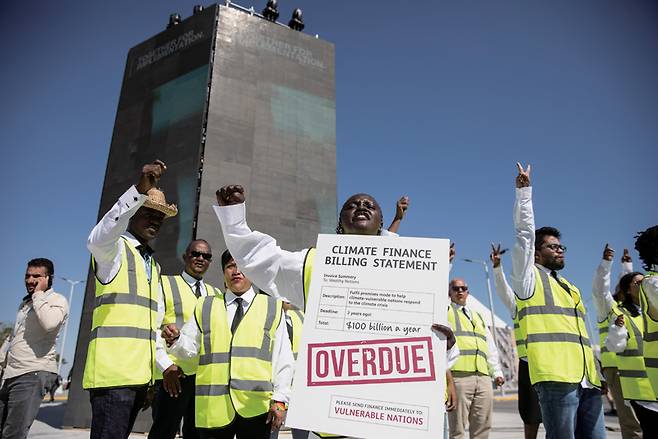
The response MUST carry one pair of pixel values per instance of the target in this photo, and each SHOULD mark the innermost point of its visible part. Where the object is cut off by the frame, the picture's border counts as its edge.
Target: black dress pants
(114, 410)
(648, 419)
(241, 428)
(168, 411)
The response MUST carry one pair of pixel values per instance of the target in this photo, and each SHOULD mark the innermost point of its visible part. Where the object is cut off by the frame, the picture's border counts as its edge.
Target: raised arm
(257, 254)
(626, 264)
(51, 310)
(523, 253)
(400, 210)
(103, 241)
(503, 289)
(603, 300)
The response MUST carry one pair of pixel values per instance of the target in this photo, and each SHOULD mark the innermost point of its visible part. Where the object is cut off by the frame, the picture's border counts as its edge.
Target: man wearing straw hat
(128, 309)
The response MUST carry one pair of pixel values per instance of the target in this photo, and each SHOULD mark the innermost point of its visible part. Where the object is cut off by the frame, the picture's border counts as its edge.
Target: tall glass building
(223, 97)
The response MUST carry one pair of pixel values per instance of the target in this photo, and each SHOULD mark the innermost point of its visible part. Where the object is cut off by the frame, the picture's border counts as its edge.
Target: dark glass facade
(224, 97)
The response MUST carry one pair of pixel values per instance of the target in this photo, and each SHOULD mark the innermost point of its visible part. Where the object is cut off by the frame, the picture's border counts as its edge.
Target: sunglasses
(196, 254)
(460, 288)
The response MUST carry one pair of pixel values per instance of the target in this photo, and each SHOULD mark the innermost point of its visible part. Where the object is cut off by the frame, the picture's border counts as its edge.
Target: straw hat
(156, 200)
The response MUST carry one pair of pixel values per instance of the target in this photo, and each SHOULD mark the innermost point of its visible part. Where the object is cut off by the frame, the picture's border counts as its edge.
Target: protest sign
(369, 364)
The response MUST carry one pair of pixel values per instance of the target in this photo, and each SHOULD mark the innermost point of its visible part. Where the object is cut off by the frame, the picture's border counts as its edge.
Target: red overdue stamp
(393, 360)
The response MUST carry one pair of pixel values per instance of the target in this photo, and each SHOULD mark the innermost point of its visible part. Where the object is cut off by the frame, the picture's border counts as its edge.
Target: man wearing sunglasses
(552, 315)
(174, 399)
(477, 363)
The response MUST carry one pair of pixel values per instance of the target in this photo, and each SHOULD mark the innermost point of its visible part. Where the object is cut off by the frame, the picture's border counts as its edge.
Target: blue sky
(435, 99)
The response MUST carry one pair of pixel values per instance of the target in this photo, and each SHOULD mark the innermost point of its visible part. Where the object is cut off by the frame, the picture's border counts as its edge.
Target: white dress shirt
(601, 294)
(266, 264)
(162, 360)
(104, 243)
(523, 252)
(506, 293)
(188, 345)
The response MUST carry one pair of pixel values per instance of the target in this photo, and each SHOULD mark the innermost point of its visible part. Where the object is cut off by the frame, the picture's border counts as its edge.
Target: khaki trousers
(630, 426)
(474, 406)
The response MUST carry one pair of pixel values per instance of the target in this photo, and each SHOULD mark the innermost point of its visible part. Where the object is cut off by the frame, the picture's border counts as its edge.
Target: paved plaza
(506, 423)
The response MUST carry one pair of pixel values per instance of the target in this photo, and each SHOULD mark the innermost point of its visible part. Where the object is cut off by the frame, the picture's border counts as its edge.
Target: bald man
(477, 364)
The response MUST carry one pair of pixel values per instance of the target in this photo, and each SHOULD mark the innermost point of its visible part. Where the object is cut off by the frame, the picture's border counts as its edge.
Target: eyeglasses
(556, 247)
(460, 288)
(196, 254)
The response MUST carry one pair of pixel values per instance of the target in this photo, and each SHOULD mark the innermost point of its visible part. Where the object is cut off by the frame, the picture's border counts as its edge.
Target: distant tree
(5, 330)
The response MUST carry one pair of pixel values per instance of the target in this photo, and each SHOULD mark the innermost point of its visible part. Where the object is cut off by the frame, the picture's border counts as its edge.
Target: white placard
(368, 364)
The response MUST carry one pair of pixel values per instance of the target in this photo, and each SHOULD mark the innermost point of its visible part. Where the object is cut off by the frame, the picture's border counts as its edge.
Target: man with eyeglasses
(477, 363)
(174, 399)
(552, 315)
(245, 360)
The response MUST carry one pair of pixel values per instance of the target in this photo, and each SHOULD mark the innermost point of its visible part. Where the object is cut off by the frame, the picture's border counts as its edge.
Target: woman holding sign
(274, 269)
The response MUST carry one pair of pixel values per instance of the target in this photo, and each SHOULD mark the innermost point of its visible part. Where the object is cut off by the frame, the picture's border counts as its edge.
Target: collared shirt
(188, 345)
(162, 360)
(32, 345)
(492, 357)
(105, 245)
(523, 252)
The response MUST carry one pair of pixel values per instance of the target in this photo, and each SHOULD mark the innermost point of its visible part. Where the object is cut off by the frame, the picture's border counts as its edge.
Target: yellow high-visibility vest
(122, 344)
(608, 359)
(295, 330)
(557, 344)
(519, 337)
(307, 270)
(235, 372)
(471, 335)
(650, 337)
(635, 383)
(179, 301)
(306, 273)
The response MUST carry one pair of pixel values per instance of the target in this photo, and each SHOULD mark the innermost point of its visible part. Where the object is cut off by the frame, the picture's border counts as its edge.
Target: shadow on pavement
(52, 413)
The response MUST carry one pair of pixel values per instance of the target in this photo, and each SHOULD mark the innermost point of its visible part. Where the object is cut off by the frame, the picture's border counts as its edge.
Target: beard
(554, 264)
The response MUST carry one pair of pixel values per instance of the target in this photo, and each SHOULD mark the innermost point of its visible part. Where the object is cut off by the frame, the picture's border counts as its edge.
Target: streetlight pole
(491, 305)
(73, 283)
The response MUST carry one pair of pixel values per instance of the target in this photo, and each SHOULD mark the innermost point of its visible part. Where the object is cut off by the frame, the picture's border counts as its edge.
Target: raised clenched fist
(229, 195)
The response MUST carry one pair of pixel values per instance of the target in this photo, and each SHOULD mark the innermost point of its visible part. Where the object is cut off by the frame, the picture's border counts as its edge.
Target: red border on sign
(311, 346)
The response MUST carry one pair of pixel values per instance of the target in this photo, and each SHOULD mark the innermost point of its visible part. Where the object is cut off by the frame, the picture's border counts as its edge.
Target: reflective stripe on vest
(557, 344)
(519, 337)
(472, 340)
(635, 383)
(306, 273)
(297, 320)
(650, 336)
(122, 344)
(180, 300)
(608, 359)
(235, 373)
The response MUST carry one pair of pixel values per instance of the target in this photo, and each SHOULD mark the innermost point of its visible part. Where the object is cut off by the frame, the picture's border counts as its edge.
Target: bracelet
(279, 406)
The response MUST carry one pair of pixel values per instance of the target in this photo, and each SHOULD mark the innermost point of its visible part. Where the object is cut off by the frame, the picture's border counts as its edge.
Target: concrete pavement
(506, 423)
